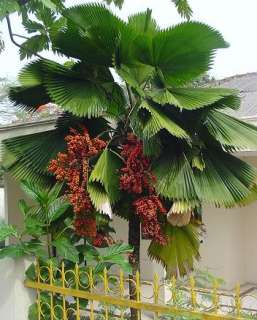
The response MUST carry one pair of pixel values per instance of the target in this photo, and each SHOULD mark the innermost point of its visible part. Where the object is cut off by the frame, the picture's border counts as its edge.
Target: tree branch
(20, 36)
(14, 41)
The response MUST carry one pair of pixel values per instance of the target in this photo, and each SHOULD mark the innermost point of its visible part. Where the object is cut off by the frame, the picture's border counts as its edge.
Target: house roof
(246, 84)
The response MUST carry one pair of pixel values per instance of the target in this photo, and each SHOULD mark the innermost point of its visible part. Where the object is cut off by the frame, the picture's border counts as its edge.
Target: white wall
(2, 203)
(15, 299)
(222, 251)
(229, 249)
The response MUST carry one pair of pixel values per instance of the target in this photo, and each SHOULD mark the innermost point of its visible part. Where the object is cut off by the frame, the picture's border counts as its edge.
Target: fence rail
(85, 293)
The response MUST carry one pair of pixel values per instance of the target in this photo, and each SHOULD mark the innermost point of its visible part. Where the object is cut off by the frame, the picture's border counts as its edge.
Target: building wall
(15, 299)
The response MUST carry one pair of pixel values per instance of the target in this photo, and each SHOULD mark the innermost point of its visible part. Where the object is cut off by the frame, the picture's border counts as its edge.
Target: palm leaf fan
(182, 250)
(181, 53)
(27, 157)
(103, 186)
(31, 94)
(224, 180)
(190, 98)
(93, 20)
(156, 120)
(230, 131)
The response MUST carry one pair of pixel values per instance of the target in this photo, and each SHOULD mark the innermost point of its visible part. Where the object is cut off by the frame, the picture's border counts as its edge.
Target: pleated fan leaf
(32, 93)
(106, 173)
(182, 250)
(231, 131)
(225, 181)
(190, 98)
(158, 120)
(27, 157)
(181, 53)
(142, 22)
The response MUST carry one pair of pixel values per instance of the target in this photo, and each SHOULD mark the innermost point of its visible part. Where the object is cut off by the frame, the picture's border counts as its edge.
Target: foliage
(49, 235)
(39, 18)
(43, 18)
(184, 137)
(183, 8)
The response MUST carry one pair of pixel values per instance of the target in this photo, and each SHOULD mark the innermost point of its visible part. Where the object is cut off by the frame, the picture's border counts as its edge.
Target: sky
(235, 19)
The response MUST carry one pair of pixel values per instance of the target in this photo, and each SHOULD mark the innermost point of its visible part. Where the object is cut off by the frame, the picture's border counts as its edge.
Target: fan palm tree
(140, 76)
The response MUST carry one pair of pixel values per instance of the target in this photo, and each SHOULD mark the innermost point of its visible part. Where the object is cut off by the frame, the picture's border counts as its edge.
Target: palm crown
(125, 76)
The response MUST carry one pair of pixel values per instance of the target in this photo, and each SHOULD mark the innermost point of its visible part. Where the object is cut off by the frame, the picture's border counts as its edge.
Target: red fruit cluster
(72, 167)
(136, 175)
(85, 226)
(137, 178)
(148, 209)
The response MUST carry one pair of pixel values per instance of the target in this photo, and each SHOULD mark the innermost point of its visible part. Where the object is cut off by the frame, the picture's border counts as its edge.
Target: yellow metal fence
(84, 293)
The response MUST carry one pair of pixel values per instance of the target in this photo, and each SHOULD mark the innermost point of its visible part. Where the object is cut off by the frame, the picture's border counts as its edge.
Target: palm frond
(33, 45)
(190, 98)
(181, 53)
(230, 131)
(31, 94)
(182, 250)
(224, 181)
(143, 22)
(158, 120)
(27, 157)
(183, 8)
(175, 178)
(104, 178)
(93, 20)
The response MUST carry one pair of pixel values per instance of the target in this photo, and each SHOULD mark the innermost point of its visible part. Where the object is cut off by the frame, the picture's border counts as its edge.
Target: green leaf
(115, 250)
(32, 26)
(24, 207)
(181, 53)
(57, 208)
(29, 98)
(224, 181)
(181, 251)
(33, 191)
(49, 4)
(7, 7)
(143, 22)
(33, 45)
(89, 252)
(114, 255)
(183, 8)
(33, 227)
(13, 251)
(30, 155)
(7, 230)
(31, 273)
(35, 248)
(230, 131)
(159, 120)
(104, 178)
(66, 249)
(81, 94)
(95, 19)
(55, 191)
(190, 98)
(175, 177)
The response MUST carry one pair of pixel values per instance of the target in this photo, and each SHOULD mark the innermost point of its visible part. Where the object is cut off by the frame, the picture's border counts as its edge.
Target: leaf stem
(11, 35)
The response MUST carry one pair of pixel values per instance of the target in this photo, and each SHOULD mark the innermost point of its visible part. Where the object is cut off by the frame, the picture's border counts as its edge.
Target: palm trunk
(134, 259)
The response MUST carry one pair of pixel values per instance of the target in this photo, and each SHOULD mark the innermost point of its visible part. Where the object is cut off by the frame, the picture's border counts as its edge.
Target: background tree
(168, 144)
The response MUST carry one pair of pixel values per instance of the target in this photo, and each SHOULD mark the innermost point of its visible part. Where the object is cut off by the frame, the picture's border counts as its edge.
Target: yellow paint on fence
(67, 290)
